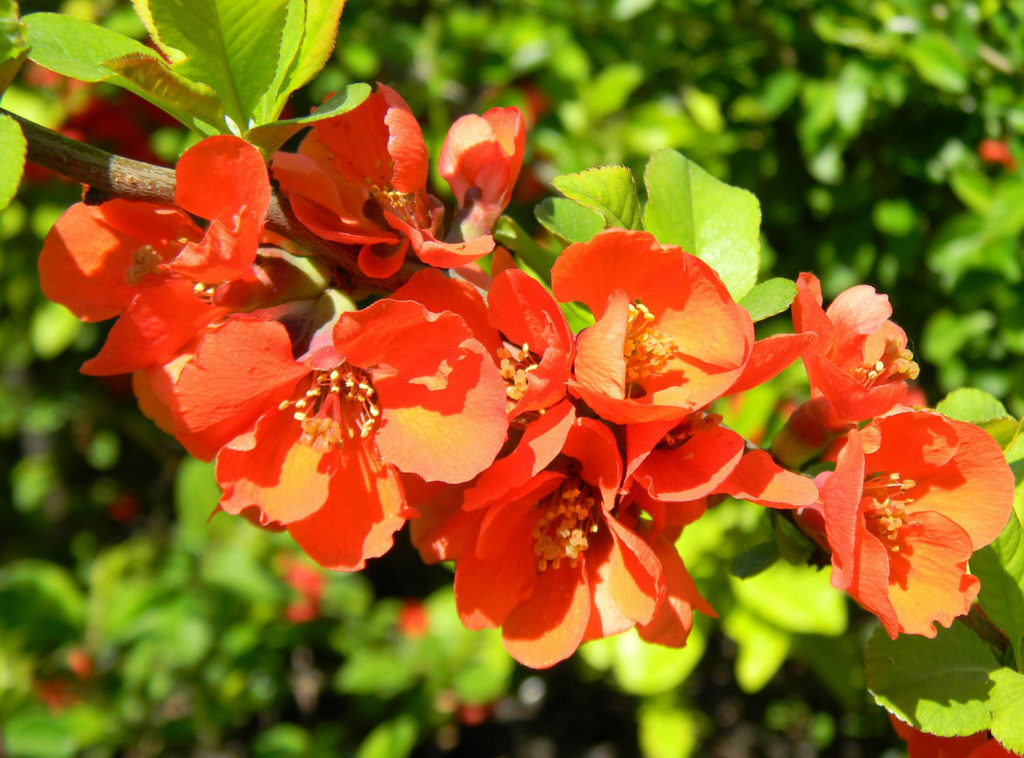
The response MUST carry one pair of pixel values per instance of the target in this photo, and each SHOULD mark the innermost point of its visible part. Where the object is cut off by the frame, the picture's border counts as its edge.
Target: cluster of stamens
(515, 365)
(888, 514)
(145, 259)
(896, 364)
(647, 350)
(561, 533)
(339, 404)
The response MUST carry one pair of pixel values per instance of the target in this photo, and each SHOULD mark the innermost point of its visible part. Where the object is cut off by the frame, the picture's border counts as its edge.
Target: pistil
(887, 513)
(647, 350)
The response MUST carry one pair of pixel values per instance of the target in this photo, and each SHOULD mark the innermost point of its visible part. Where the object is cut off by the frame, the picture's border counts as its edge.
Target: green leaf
(92, 53)
(938, 62)
(188, 101)
(37, 734)
(195, 499)
(763, 648)
(754, 560)
(508, 233)
(1007, 707)
(644, 669)
(568, 220)
(269, 137)
(939, 685)
(12, 159)
(720, 224)
(230, 46)
(306, 46)
(1000, 567)
(769, 297)
(392, 739)
(793, 598)
(76, 48)
(971, 405)
(979, 407)
(665, 731)
(609, 190)
(13, 46)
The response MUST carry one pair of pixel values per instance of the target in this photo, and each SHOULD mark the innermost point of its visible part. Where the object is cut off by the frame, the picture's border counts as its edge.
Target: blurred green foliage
(883, 140)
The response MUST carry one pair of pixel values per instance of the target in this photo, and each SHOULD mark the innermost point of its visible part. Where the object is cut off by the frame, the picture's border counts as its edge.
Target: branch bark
(114, 176)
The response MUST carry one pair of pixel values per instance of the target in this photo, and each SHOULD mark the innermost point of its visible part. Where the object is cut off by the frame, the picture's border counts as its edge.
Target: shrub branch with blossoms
(355, 354)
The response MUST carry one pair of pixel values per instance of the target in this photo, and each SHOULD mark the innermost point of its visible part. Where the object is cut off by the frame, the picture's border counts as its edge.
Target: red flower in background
(361, 177)
(997, 151)
(668, 339)
(913, 495)
(151, 264)
(859, 359)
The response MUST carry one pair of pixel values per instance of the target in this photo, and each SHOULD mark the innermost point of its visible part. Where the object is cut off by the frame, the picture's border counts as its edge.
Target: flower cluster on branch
(557, 470)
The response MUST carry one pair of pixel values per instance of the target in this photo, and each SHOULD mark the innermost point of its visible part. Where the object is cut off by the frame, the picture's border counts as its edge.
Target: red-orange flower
(859, 359)
(361, 177)
(316, 444)
(913, 495)
(547, 549)
(520, 324)
(480, 159)
(668, 339)
(151, 264)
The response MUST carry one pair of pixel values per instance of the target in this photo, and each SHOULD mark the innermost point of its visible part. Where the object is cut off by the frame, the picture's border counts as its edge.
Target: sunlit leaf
(720, 224)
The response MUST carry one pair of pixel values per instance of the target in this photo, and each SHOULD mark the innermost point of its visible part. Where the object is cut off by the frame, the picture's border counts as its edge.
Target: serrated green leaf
(267, 108)
(567, 219)
(269, 137)
(317, 32)
(940, 686)
(188, 101)
(76, 48)
(609, 190)
(230, 46)
(769, 297)
(13, 46)
(1007, 708)
(1000, 567)
(12, 159)
(720, 224)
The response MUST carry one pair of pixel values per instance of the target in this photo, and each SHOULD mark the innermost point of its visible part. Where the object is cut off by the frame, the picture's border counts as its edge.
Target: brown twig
(113, 176)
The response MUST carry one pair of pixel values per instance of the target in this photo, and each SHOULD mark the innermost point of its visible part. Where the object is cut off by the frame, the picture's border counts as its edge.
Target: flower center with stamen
(408, 206)
(338, 404)
(567, 520)
(515, 365)
(647, 350)
(896, 364)
(887, 513)
(145, 259)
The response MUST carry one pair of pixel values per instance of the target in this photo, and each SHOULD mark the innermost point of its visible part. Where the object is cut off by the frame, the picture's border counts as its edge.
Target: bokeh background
(883, 139)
